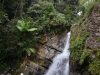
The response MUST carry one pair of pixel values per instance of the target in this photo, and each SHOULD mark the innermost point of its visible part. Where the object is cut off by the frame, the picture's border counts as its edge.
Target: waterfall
(60, 65)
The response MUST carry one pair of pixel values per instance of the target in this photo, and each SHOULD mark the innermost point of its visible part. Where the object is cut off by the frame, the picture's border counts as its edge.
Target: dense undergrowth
(23, 22)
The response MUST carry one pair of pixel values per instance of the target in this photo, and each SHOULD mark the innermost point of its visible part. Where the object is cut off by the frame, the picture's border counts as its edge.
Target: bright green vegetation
(78, 37)
(94, 66)
(23, 22)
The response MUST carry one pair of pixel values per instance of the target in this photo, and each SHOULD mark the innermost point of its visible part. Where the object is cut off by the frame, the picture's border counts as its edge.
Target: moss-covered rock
(85, 44)
(78, 37)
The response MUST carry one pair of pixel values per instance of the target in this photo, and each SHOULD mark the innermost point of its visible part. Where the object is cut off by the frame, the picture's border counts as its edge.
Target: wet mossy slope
(85, 44)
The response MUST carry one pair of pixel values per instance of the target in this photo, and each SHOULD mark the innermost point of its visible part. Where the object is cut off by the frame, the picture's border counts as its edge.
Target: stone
(31, 68)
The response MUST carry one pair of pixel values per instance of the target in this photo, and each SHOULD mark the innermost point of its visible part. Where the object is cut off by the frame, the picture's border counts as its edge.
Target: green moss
(94, 66)
(42, 39)
(87, 57)
(78, 38)
(97, 39)
(85, 54)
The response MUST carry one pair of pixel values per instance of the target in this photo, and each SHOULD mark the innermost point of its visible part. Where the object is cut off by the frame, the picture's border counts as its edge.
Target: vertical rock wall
(85, 44)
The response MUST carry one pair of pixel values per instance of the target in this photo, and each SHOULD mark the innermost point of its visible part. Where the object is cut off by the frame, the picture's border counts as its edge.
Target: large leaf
(20, 28)
(32, 29)
(27, 25)
(21, 23)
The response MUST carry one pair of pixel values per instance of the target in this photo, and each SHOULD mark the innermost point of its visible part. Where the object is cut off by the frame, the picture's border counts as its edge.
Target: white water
(60, 65)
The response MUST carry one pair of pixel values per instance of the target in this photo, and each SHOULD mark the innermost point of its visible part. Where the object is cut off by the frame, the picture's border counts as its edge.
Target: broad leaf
(32, 29)
(20, 28)
(27, 25)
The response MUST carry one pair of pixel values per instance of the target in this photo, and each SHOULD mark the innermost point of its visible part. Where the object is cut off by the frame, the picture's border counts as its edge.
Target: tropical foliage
(22, 22)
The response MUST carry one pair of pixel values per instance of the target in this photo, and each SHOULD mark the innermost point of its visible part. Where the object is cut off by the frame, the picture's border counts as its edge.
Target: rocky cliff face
(85, 44)
(47, 48)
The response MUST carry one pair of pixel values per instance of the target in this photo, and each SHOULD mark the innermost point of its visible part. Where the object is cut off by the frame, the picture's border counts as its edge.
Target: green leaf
(32, 29)
(32, 50)
(20, 28)
(27, 25)
(21, 23)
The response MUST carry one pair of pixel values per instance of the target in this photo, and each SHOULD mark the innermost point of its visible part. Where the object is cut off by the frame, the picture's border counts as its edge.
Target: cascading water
(60, 65)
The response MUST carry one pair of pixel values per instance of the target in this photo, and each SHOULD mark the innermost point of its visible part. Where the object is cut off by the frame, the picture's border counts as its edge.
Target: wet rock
(48, 47)
(31, 68)
(49, 50)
